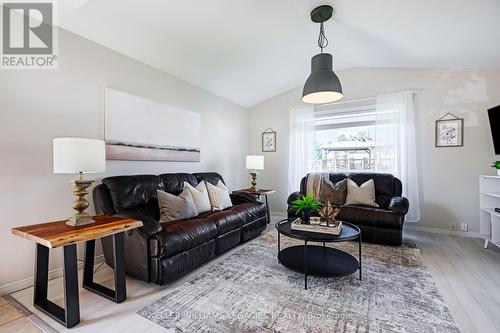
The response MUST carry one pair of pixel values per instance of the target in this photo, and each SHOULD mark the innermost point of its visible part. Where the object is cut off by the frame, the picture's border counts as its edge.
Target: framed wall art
(139, 129)
(269, 140)
(449, 131)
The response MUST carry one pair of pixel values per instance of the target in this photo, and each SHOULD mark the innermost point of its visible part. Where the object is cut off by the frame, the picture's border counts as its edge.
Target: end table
(258, 193)
(56, 234)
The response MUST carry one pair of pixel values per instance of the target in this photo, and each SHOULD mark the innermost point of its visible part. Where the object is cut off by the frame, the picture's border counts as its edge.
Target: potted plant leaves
(305, 207)
(496, 165)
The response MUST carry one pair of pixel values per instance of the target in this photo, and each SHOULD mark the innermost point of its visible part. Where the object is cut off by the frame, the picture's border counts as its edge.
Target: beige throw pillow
(361, 195)
(200, 196)
(335, 193)
(219, 196)
(174, 207)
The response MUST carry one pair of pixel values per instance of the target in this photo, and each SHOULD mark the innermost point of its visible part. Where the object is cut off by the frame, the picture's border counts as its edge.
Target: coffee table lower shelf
(318, 261)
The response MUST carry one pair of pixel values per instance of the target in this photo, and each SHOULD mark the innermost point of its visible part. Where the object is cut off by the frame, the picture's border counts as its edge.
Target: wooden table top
(258, 191)
(56, 234)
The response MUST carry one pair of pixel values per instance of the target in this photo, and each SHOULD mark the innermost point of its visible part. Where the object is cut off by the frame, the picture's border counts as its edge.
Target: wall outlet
(452, 227)
(464, 227)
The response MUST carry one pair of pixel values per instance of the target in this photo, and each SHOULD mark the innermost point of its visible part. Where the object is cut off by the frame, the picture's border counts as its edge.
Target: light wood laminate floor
(467, 275)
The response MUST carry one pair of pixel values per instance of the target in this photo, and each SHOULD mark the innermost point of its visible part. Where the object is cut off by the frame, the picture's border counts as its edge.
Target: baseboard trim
(12, 287)
(441, 231)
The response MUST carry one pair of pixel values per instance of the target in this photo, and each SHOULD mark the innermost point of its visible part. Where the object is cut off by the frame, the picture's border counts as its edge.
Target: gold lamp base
(80, 204)
(254, 180)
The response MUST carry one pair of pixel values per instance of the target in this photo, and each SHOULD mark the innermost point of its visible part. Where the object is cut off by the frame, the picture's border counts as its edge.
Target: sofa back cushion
(386, 185)
(134, 193)
(210, 177)
(138, 192)
(173, 183)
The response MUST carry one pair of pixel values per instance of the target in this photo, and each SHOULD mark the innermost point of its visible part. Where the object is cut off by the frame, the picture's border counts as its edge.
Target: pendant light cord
(322, 40)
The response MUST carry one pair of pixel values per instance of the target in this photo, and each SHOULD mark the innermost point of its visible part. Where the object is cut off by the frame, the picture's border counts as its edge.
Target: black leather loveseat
(163, 252)
(383, 225)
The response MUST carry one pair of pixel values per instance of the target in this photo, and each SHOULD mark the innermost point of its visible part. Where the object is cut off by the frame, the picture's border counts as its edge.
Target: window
(351, 139)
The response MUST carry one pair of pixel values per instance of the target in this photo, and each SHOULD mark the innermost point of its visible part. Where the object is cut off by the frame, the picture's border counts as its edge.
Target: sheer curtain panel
(301, 145)
(395, 137)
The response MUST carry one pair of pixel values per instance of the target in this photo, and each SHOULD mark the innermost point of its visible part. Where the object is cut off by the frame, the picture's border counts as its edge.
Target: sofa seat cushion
(235, 216)
(226, 220)
(250, 211)
(182, 235)
(369, 216)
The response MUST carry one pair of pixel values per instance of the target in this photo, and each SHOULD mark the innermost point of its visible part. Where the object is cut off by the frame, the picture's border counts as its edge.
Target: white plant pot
(498, 172)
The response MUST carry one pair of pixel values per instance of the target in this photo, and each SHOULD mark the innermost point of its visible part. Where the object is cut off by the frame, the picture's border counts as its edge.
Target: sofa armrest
(291, 198)
(294, 196)
(149, 224)
(240, 198)
(399, 204)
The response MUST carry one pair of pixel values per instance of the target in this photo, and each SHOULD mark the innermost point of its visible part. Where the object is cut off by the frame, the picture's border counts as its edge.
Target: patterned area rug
(251, 291)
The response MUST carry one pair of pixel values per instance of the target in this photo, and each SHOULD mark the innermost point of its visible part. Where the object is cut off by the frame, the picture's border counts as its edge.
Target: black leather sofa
(162, 252)
(382, 225)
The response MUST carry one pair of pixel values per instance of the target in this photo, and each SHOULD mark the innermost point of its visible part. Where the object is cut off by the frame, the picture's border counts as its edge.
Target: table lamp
(78, 155)
(254, 163)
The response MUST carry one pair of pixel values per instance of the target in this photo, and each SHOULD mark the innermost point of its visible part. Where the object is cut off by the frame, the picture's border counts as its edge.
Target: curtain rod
(414, 91)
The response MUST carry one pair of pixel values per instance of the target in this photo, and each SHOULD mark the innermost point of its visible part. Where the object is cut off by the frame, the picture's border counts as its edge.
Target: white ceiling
(250, 50)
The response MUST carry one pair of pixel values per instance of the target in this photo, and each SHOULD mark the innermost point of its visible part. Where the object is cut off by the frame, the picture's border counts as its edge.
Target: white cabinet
(489, 199)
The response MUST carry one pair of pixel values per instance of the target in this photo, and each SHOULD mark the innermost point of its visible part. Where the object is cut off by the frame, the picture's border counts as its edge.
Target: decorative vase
(305, 216)
(498, 172)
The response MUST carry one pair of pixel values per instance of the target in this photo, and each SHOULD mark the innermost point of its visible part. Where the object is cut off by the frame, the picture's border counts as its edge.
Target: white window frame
(364, 109)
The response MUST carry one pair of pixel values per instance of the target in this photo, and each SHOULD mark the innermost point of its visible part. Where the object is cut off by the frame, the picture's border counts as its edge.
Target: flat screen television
(494, 115)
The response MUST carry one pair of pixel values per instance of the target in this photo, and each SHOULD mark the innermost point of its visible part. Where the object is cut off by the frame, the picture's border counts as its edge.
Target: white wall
(449, 176)
(36, 106)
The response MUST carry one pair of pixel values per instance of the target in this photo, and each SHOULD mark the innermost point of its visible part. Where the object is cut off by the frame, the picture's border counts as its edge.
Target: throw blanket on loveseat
(314, 181)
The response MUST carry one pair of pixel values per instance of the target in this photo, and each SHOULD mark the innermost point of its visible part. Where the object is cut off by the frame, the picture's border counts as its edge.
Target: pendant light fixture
(323, 85)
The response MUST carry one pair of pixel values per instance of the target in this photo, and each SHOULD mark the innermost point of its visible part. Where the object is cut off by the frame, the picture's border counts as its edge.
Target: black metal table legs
(360, 276)
(279, 243)
(268, 211)
(120, 293)
(305, 265)
(70, 316)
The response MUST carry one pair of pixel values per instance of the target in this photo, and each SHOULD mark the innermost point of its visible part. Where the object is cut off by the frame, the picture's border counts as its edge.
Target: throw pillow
(361, 195)
(335, 193)
(200, 196)
(174, 207)
(219, 196)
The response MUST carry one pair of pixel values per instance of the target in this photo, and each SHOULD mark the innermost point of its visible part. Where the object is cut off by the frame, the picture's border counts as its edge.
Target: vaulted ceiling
(250, 50)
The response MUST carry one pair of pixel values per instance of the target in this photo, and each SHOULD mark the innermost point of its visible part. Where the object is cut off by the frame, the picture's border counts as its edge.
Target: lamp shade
(323, 85)
(255, 162)
(74, 155)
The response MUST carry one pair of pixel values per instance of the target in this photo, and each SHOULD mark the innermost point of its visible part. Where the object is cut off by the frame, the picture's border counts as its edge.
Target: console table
(489, 199)
(56, 234)
(258, 193)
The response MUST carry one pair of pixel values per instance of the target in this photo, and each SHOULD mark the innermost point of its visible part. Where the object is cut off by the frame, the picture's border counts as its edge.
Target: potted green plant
(496, 165)
(305, 207)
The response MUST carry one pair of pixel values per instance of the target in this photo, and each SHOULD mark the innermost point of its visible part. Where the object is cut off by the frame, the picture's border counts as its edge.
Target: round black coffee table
(319, 260)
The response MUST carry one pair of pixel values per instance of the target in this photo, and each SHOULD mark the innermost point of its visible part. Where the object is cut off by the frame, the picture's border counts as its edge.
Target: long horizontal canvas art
(139, 129)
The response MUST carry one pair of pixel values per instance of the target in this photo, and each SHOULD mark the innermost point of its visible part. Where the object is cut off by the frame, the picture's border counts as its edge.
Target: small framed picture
(449, 131)
(269, 140)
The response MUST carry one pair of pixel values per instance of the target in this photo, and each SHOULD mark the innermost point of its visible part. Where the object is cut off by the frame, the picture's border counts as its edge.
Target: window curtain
(395, 138)
(301, 145)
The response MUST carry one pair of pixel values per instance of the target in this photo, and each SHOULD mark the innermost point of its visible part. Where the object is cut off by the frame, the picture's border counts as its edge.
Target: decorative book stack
(321, 228)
